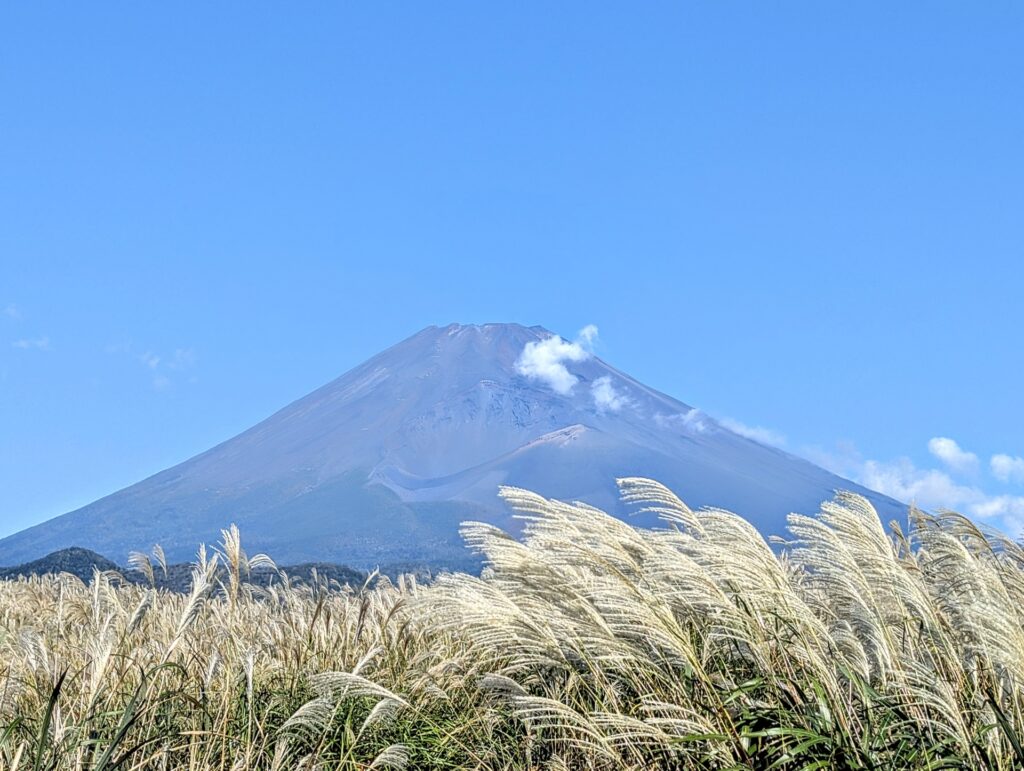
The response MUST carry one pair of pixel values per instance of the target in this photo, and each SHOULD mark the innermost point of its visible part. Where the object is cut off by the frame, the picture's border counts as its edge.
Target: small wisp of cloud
(184, 358)
(692, 422)
(12, 312)
(163, 367)
(606, 398)
(33, 344)
(149, 360)
(163, 370)
(757, 433)
(1007, 468)
(951, 454)
(588, 335)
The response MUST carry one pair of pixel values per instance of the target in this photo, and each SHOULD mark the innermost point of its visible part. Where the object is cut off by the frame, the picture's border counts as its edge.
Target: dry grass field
(585, 644)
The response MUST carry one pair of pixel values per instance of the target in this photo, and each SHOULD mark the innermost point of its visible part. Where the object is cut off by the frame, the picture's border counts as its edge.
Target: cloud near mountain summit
(544, 360)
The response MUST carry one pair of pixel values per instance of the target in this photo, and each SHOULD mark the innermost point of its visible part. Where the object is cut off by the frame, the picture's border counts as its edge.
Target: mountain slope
(384, 462)
(74, 560)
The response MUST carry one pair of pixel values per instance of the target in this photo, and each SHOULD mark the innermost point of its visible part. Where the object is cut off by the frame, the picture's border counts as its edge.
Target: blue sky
(802, 217)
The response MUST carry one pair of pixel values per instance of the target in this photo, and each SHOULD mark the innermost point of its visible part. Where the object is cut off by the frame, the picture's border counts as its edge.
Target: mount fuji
(382, 464)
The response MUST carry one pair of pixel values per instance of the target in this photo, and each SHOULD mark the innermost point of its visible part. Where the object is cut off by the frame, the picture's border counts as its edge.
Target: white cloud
(183, 358)
(12, 312)
(757, 433)
(606, 398)
(1007, 510)
(930, 489)
(1007, 468)
(545, 360)
(150, 360)
(693, 422)
(927, 488)
(952, 455)
(588, 335)
(36, 343)
(164, 370)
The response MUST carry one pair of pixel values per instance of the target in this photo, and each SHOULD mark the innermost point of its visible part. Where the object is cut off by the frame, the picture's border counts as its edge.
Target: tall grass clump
(584, 644)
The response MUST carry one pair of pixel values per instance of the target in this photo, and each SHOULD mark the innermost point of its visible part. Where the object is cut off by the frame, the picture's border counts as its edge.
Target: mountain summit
(383, 463)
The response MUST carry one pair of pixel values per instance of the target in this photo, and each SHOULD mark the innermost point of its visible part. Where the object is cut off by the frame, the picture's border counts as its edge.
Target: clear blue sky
(805, 217)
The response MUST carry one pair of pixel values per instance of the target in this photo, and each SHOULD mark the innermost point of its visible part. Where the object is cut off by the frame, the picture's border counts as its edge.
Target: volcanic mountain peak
(383, 463)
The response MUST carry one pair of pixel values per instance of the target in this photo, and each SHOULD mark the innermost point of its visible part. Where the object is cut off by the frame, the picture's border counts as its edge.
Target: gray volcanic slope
(382, 464)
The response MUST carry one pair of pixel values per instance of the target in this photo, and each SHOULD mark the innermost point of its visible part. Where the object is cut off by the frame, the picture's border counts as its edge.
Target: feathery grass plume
(394, 757)
(345, 685)
(384, 711)
(141, 562)
(586, 643)
(654, 497)
(312, 717)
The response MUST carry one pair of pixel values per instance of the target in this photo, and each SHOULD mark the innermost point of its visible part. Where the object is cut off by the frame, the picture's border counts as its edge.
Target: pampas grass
(585, 644)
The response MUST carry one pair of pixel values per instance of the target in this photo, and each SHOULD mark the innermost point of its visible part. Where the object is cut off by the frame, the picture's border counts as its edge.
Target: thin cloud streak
(30, 344)
(759, 434)
(164, 370)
